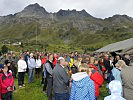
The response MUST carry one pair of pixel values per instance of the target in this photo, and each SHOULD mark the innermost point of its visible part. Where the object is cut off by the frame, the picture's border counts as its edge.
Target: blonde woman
(82, 86)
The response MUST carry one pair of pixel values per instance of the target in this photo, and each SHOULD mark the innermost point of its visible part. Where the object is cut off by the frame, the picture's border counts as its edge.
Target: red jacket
(44, 60)
(98, 81)
(55, 61)
(6, 81)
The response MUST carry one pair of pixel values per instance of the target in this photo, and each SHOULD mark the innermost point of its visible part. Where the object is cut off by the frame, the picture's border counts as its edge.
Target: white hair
(60, 59)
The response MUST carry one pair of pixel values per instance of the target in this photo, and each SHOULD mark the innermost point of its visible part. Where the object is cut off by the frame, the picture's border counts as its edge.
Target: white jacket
(22, 66)
(38, 63)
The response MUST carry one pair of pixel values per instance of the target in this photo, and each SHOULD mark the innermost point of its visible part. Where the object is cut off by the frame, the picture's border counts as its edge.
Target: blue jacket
(82, 89)
(117, 74)
(31, 63)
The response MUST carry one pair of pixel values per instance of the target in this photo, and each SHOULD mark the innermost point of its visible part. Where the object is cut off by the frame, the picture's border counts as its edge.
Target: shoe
(20, 86)
(44, 92)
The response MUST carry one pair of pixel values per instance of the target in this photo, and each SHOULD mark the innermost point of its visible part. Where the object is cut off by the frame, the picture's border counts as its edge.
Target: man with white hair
(31, 66)
(60, 81)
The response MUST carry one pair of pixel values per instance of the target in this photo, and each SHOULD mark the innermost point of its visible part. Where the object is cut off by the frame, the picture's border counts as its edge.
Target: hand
(70, 72)
(9, 88)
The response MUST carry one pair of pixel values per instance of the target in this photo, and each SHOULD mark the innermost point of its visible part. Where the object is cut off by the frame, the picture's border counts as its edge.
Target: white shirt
(38, 63)
(22, 66)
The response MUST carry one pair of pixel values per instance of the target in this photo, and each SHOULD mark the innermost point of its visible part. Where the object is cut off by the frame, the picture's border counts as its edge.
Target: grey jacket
(127, 81)
(60, 80)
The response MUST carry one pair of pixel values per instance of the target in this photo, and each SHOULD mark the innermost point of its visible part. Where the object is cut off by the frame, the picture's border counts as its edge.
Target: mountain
(73, 28)
(33, 10)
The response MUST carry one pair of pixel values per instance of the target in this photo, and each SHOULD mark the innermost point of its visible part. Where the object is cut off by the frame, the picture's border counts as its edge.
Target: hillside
(69, 28)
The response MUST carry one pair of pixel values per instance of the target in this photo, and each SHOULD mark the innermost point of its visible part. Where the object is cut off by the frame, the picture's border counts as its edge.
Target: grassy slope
(33, 91)
(62, 33)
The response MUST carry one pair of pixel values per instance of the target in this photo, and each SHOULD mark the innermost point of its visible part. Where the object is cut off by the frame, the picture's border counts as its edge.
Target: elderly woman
(116, 71)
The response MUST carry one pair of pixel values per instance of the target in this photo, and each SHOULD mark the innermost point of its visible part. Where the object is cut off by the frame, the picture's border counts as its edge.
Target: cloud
(97, 8)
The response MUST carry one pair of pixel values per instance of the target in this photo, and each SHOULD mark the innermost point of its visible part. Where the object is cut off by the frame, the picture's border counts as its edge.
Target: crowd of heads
(74, 62)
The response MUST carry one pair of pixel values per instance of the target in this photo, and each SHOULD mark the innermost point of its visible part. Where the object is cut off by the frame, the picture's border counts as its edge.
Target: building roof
(123, 46)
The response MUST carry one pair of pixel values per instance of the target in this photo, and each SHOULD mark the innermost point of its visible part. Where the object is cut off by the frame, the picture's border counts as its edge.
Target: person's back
(82, 87)
(60, 80)
(116, 73)
(127, 81)
(116, 91)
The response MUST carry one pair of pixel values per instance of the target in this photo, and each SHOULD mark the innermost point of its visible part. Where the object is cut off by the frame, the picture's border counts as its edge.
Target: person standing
(42, 68)
(82, 86)
(127, 59)
(27, 56)
(97, 78)
(61, 81)
(55, 60)
(116, 71)
(108, 65)
(76, 56)
(115, 87)
(38, 66)
(22, 66)
(14, 64)
(127, 82)
(31, 66)
(1, 67)
(49, 76)
(7, 84)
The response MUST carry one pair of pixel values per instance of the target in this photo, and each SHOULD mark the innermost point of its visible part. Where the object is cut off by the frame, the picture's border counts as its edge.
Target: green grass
(33, 91)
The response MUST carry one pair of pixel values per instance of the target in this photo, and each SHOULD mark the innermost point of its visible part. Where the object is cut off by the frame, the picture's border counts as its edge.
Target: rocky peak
(119, 18)
(33, 10)
(73, 13)
(35, 7)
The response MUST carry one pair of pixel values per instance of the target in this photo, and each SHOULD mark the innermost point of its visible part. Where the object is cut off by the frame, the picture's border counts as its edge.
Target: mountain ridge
(64, 27)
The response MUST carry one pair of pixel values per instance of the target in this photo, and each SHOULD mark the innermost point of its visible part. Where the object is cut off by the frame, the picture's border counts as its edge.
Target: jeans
(21, 78)
(50, 87)
(7, 96)
(63, 96)
(31, 75)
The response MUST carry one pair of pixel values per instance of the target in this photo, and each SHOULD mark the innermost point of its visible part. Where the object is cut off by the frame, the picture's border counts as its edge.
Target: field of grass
(33, 91)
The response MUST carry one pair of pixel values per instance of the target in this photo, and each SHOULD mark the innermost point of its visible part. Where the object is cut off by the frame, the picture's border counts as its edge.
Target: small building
(121, 47)
(16, 43)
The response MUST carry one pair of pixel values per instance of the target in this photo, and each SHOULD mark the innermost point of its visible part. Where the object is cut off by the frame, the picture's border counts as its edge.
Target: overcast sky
(97, 8)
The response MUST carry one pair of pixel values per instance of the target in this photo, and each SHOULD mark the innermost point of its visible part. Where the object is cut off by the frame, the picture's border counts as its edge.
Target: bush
(4, 49)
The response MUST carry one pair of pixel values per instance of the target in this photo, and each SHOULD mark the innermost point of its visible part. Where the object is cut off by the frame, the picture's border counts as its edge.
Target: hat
(1, 66)
(120, 63)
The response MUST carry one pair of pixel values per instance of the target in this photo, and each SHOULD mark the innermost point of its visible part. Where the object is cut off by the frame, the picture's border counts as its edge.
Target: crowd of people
(71, 76)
